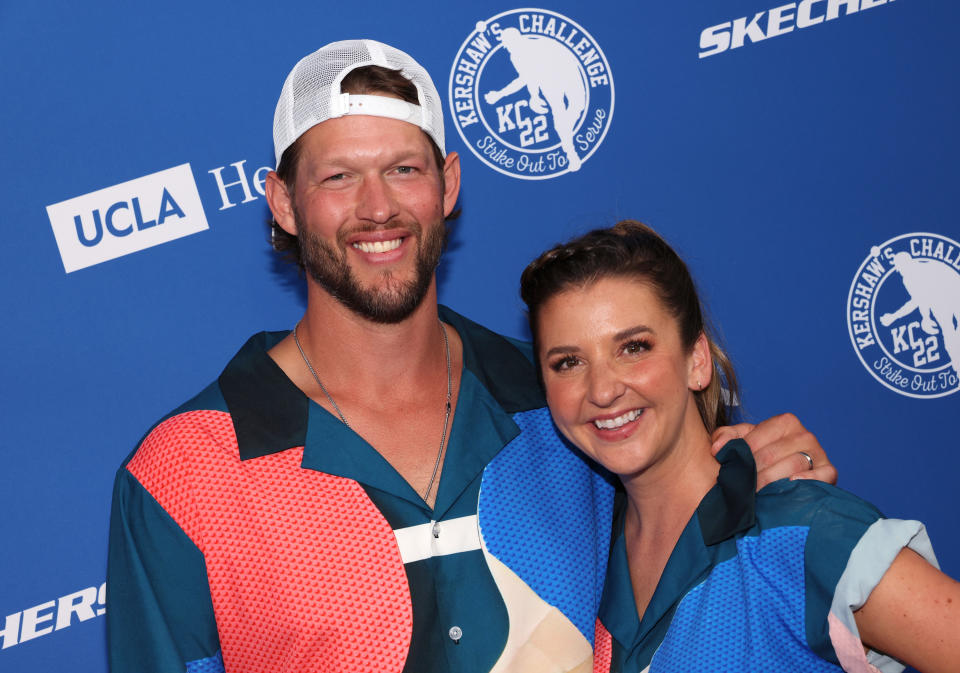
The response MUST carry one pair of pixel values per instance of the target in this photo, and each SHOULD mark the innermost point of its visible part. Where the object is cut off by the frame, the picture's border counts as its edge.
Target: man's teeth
(378, 246)
(619, 421)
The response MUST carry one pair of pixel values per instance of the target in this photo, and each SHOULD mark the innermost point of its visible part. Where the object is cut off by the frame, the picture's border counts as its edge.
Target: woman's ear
(700, 364)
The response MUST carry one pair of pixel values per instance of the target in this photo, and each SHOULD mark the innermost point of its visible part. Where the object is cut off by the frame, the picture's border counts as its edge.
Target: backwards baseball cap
(311, 93)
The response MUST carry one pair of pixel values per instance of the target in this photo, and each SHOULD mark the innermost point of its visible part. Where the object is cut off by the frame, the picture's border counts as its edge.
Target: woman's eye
(635, 347)
(565, 364)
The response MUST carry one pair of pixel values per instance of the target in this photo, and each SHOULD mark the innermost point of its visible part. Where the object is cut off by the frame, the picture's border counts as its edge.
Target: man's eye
(405, 170)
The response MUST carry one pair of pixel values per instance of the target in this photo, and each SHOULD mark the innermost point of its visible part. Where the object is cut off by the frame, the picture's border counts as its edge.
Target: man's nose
(376, 200)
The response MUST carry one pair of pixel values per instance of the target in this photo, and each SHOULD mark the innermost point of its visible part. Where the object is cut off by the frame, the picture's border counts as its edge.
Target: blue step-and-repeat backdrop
(801, 155)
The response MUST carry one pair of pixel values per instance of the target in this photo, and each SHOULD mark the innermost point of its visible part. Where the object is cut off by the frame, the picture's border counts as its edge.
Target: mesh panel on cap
(314, 83)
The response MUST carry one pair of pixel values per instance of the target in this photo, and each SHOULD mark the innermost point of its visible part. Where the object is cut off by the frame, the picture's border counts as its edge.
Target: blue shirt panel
(525, 519)
(740, 590)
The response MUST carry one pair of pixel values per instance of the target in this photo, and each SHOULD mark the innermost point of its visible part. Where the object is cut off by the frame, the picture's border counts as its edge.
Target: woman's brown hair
(631, 249)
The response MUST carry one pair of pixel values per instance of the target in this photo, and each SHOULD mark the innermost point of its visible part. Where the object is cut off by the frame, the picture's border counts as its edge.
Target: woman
(799, 577)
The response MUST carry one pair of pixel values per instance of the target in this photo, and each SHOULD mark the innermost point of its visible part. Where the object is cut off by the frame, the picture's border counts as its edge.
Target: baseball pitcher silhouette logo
(531, 94)
(903, 313)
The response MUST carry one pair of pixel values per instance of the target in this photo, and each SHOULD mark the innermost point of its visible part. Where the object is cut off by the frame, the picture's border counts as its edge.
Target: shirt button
(436, 530)
(455, 634)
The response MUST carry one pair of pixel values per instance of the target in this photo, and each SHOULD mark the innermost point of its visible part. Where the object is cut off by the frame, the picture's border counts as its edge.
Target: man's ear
(280, 201)
(701, 364)
(451, 182)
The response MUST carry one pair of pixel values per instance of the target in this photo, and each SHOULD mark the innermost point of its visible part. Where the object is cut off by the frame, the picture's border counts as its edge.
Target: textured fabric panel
(539, 496)
(212, 664)
(748, 615)
(303, 569)
(602, 650)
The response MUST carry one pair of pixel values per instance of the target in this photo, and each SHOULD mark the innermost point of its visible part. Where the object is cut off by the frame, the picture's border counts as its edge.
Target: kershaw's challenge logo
(531, 93)
(903, 313)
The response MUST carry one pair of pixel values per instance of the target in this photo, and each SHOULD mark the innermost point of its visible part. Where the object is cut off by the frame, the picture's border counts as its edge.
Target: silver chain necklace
(446, 413)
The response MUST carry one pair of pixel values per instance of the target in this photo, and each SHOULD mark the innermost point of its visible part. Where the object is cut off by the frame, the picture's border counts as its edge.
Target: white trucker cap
(311, 93)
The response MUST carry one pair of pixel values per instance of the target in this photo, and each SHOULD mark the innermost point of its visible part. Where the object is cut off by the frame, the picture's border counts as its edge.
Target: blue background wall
(773, 168)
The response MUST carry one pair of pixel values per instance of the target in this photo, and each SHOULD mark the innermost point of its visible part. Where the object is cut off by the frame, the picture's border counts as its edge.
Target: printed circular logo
(903, 313)
(531, 93)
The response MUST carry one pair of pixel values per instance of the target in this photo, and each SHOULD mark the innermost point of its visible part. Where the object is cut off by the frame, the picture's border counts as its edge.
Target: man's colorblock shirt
(253, 531)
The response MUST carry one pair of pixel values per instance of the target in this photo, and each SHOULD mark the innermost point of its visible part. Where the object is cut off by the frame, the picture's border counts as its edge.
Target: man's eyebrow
(390, 157)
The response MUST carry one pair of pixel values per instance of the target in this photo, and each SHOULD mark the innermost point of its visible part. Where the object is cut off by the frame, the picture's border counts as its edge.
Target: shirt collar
(270, 414)
(727, 509)
(730, 506)
(503, 366)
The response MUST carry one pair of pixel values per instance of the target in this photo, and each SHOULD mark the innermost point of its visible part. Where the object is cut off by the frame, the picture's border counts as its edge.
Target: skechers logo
(54, 615)
(778, 21)
(128, 217)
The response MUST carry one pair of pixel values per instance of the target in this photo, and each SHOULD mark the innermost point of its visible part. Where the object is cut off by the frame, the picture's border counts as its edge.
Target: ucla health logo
(903, 312)
(127, 217)
(531, 93)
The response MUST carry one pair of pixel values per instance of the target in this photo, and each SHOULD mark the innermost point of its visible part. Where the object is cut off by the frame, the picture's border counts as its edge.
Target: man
(380, 489)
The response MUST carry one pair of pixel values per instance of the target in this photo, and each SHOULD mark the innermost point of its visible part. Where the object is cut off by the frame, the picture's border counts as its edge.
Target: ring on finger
(809, 459)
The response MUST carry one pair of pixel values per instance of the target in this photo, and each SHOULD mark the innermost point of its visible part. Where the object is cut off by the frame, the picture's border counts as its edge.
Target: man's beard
(391, 303)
